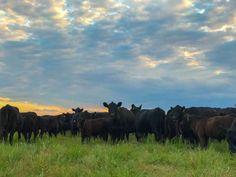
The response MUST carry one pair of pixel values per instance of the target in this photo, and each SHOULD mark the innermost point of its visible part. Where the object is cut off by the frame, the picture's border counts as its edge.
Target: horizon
(55, 56)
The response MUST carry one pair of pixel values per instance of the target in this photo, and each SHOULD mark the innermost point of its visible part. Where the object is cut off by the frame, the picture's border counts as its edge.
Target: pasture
(67, 157)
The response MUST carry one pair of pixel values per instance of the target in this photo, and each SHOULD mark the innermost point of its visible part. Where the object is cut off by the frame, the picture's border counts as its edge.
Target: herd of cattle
(195, 124)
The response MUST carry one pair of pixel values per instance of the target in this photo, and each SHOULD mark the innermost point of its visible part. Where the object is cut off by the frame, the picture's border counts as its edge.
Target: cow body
(49, 124)
(30, 124)
(150, 121)
(210, 127)
(172, 121)
(231, 137)
(99, 127)
(64, 122)
(10, 122)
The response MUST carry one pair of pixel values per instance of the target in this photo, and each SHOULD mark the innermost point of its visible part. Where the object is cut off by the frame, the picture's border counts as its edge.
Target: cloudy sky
(55, 55)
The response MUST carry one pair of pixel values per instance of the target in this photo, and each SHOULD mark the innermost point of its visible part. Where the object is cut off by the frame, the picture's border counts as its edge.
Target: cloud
(10, 19)
(60, 13)
(85, 52)
(223, 55)
(151, 63)
(185, 4)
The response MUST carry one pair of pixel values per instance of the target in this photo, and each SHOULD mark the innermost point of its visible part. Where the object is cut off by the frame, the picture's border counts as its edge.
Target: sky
(56, 55)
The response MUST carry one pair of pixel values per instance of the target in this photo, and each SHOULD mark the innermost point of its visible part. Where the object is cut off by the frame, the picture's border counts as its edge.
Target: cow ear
(119, 104)
(81, 110)
(73, 109)
(132, 106)
(140, 107)
(105, 104)
(171, 108)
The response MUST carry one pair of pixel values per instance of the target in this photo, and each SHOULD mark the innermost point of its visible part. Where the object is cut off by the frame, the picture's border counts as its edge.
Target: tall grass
(67, 157)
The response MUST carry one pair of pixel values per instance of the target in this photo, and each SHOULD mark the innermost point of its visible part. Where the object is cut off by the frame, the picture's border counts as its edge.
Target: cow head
(77, 110)
(77, 113)
(176, 113)
(135, 109)
(175, 116)
(112, 108)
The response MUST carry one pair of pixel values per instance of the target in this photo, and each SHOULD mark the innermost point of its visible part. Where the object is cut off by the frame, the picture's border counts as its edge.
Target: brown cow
(211, 127)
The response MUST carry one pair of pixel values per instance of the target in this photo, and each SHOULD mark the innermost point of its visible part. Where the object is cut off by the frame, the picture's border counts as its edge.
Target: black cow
(49, 124)
(74, 121)
(149, 121)
(124, 119)
(64, 122)
(10, 122)
(30, 124)
(99, 127)
(231, 137)
(173, 119)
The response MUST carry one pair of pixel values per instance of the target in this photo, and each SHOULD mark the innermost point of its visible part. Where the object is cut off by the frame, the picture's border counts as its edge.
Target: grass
(67, 157)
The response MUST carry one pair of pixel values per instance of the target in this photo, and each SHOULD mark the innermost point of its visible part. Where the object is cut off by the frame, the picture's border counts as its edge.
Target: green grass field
(67, 157)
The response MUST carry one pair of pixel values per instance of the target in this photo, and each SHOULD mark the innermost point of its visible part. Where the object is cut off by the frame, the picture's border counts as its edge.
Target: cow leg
(25, 136)
(82, 139)
(5, 136)
(29, 136)
(127, 136)
(145, 135)
(11, 137)
(203, 141)
(138, 136)
(19, 135)
(122, 136)
(1, 137)
(55, 133)
(105, 138)
(157, 136)
(36, 132)
(113, 139)
(50, 134)
(35, 136)
(41, 134)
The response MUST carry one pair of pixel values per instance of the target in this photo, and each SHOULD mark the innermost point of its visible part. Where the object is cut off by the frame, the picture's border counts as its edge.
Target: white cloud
(150, 62)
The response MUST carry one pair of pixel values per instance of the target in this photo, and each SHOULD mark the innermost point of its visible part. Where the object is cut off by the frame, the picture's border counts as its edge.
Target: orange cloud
(40, 109)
